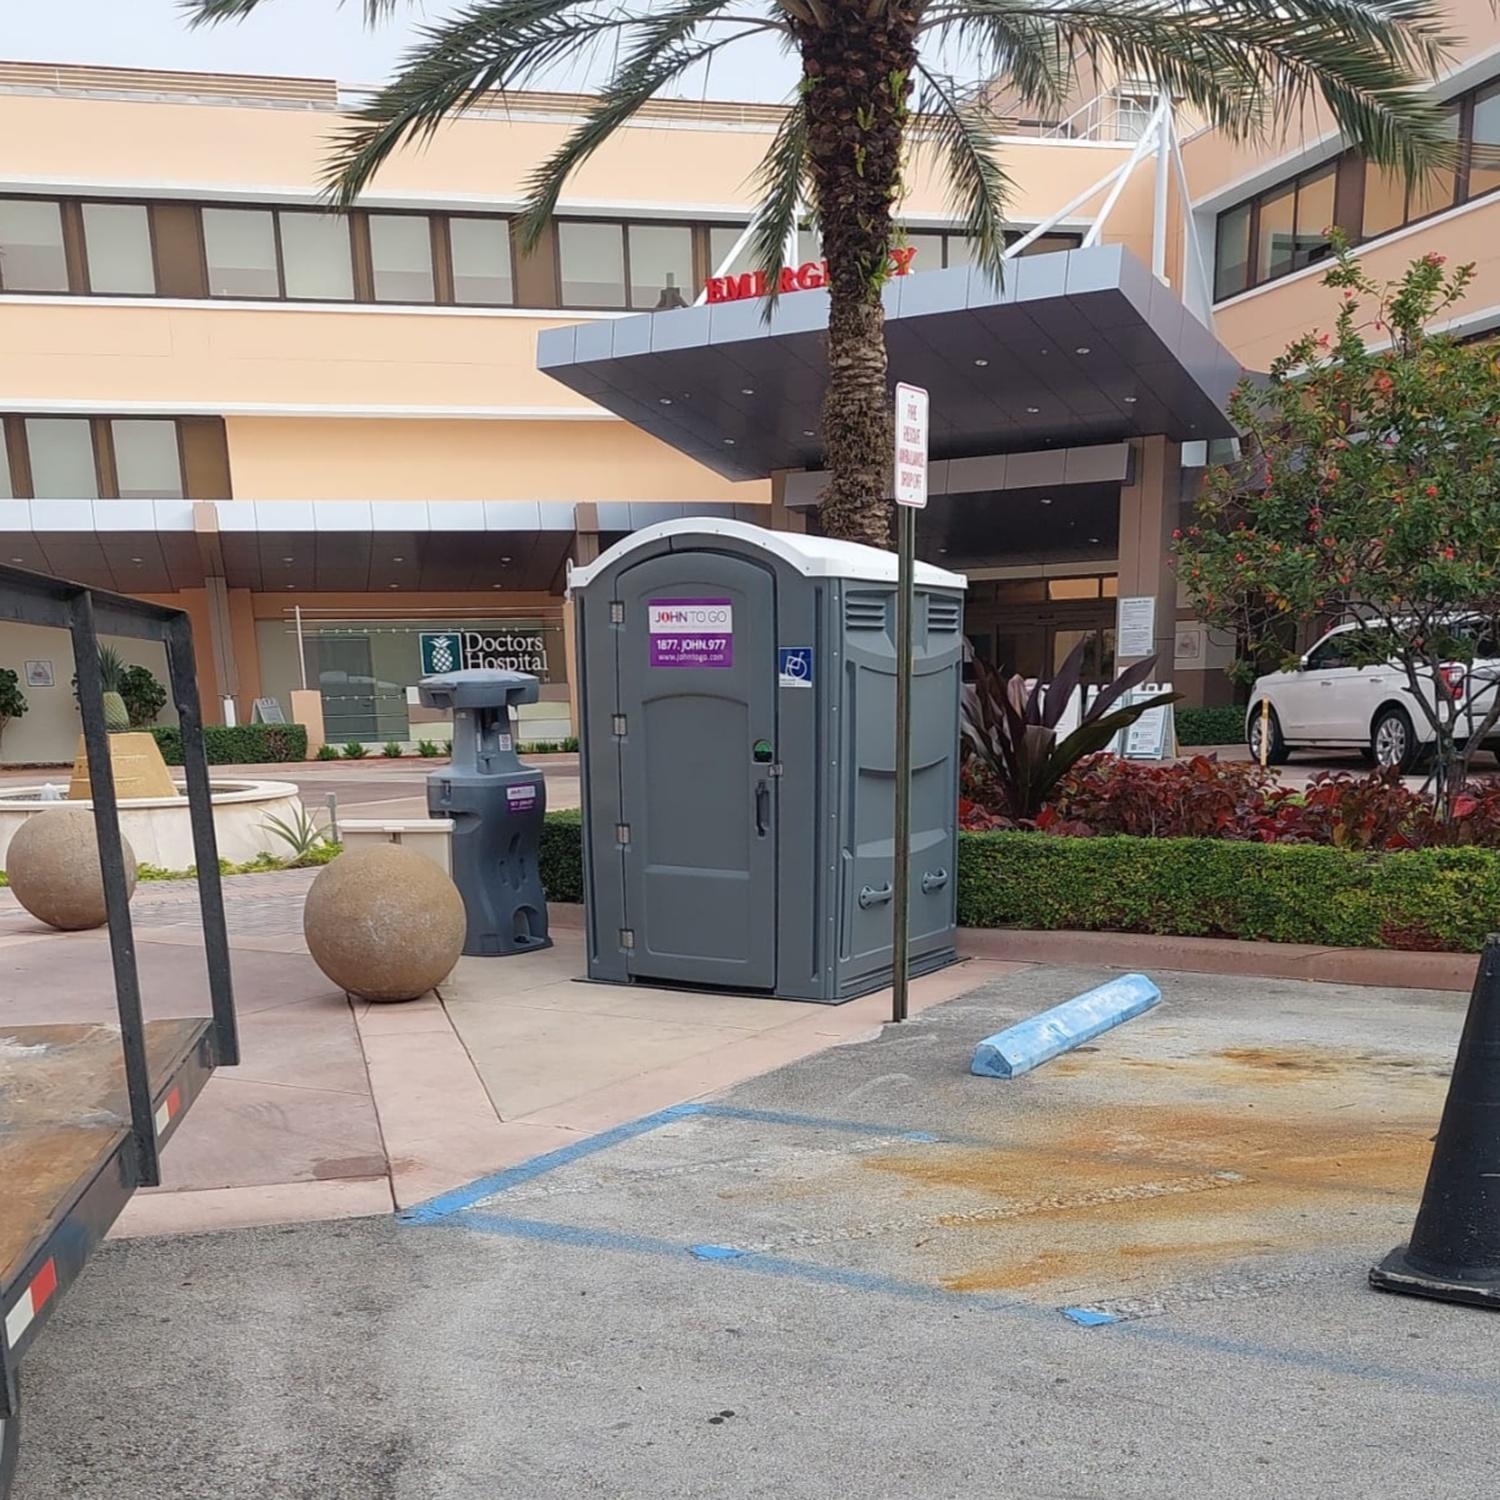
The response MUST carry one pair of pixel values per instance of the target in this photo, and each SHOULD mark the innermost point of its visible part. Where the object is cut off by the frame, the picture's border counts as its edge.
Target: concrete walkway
(341, 1109)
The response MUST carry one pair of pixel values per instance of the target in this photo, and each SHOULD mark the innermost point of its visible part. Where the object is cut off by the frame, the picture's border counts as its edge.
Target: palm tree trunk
(858, 71)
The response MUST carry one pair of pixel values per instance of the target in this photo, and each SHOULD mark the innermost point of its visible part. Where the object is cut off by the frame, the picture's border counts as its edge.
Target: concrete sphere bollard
(384, 923)
(53, 867)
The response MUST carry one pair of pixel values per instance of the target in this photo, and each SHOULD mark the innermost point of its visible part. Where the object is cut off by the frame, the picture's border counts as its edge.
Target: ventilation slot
(942, 616)
(864, 612)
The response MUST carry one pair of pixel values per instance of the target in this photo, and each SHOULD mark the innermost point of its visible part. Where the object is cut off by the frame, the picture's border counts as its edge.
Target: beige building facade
(330, 440)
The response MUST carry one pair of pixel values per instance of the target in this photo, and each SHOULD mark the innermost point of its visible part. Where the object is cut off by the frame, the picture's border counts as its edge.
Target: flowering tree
(1367, 490)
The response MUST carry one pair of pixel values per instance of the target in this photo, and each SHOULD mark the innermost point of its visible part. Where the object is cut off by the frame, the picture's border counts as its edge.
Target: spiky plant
(874, 87)
(112, 671)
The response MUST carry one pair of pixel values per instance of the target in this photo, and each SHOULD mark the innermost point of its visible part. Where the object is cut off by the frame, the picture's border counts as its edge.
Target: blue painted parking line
(727, 1257)
(538, 1166)
(434, 1209)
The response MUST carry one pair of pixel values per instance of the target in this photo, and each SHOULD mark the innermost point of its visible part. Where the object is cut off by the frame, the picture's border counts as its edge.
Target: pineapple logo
(441, 652)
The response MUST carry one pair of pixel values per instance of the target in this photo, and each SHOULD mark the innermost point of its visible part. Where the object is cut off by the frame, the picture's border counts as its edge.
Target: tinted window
(1314, 218)
(6, 492)
(147, 465)
(661, 265)
(722, 238)
(1330, 653)
(31, 246)
(62, 458)
(592, 262)
(929, 248)
(117, 240)
(315, 256)
(1232, 261)
(240, 246)
(481, 261)
(401, 256)
(1484, 163)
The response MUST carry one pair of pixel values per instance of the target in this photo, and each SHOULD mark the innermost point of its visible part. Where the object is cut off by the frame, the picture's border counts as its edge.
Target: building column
(1149, 507)
(782, 518)
(585, 551)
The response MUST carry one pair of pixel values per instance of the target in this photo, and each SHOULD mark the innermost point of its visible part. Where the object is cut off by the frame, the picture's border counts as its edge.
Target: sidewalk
(341, 1109)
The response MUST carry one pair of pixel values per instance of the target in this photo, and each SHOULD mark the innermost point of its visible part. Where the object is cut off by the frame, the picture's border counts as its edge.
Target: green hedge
(237, 745)
(561, 856)
(1431, 899)
(1210, 726)
(1435, 899)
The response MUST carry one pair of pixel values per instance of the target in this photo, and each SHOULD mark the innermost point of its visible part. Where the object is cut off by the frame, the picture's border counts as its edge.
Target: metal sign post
(910, 489)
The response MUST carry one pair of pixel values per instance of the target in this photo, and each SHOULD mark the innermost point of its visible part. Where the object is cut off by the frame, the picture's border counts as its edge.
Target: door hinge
(616, 612)
(619, 727)
(622, 833)
(627, 938)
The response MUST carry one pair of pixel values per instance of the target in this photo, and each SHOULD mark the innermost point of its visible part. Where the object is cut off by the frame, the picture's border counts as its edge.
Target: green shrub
(392, 750)
(355, 751)
(12, 700)
(144, 696)
(1426, 899)
(1211, 726)
(237, 744)
(327, 752)
(427, 749)
(560, 856)
(1438, 899)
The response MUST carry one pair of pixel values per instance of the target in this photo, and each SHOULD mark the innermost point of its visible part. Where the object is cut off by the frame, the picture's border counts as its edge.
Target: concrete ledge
(1194, 955)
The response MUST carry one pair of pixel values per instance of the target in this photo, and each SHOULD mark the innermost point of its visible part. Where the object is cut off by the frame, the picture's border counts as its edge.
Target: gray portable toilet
(737, 689)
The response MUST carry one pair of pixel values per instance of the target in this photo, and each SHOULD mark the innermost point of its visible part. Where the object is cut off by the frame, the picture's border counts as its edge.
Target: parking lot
(1139, 1270)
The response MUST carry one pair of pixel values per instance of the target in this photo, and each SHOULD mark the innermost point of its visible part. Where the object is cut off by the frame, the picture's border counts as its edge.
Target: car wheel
(1393, 741)
(1276, 751)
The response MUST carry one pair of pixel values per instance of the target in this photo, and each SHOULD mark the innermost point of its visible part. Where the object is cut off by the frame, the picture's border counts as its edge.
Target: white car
(1324, 702)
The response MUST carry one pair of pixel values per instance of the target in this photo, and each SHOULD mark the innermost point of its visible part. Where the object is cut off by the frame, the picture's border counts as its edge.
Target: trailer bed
(66, 1146)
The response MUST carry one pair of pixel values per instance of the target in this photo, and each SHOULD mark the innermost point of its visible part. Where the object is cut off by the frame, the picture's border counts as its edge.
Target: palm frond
(782, 182)
(662, 47)
(954, 122)
(208, 12)
(1019, 43)
(1244, 64)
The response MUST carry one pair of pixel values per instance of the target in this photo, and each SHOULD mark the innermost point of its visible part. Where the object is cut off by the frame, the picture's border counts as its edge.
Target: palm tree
(872, 88)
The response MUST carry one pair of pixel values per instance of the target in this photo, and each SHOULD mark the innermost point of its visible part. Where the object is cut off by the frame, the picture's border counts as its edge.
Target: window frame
(68, 249)
(1352, 201)
(87, 289)
(102, 446)
(438, 252)
(510, 236)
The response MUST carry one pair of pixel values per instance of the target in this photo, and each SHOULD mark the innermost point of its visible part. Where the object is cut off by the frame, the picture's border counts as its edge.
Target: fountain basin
(158, 827)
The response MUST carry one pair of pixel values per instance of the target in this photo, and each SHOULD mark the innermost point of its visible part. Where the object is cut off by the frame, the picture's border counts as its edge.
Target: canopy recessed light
(664, 400)
(1033, 410)
(393, 585)
(505, 559)
(981, 364)
(808, 432)
(1131, 400)
(1083, 349)
(286, 559)
(135, 559)
(291, 585)
(729, 442)
(1093, 539)
(1046, 500)
(747, 390)
(18, 559)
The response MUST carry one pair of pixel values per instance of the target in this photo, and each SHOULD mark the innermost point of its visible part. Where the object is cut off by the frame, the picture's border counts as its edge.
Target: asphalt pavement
(856, 1276)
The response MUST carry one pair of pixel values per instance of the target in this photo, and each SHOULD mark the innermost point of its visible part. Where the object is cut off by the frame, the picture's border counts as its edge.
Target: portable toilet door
(697, 692)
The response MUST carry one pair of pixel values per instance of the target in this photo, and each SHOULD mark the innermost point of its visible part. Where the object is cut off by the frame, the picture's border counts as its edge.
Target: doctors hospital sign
(492, 648)
(807, 277)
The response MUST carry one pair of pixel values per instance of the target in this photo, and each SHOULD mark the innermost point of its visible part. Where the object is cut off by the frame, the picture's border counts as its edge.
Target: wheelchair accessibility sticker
(794, 666)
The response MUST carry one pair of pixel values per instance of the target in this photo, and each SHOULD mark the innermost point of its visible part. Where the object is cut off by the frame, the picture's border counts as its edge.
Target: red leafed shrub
(1355, 812)
(1198, 798)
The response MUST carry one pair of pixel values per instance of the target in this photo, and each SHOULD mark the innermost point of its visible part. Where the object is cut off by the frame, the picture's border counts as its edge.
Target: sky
(304, 38)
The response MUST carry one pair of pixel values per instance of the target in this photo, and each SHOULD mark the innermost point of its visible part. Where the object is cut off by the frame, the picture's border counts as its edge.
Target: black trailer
(86, 1109)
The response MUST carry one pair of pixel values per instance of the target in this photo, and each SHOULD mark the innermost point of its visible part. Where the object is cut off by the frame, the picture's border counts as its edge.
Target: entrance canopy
(1077, 347)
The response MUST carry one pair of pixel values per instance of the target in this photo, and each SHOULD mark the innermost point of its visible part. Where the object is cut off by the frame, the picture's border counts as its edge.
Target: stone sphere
(384, 923)
(53, 867)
